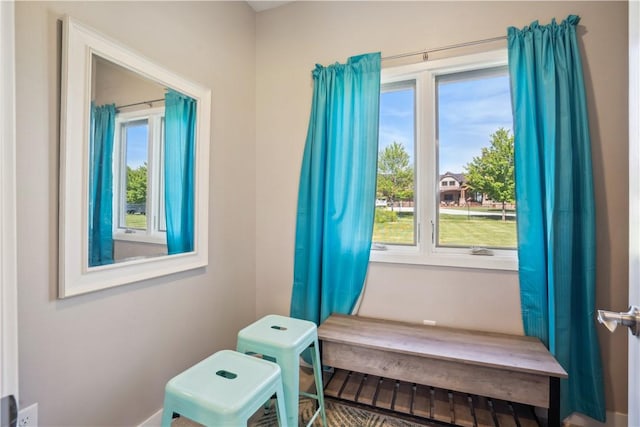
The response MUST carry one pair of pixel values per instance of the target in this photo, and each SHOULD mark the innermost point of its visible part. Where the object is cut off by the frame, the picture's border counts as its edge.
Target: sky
(469, 111)
(137, 153)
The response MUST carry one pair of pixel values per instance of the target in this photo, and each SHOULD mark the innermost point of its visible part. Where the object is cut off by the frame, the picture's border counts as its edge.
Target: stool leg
(280, 408)
(290, 365)
(317, 373)
(241, 347)
(167, 415)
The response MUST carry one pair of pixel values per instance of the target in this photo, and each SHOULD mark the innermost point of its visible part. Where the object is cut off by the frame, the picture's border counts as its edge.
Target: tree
(492, 173)
(137, 184)
(395, 174)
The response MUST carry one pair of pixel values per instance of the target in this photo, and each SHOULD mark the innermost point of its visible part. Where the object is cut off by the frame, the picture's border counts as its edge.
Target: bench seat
(508, 367)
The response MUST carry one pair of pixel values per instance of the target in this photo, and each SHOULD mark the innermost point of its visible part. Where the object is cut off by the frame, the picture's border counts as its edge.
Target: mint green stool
(284, 339)
(225, 389)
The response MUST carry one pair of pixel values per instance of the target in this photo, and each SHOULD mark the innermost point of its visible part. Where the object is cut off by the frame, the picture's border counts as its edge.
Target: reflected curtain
(555, 206)
(101, 184)
(336, 196)
(179, 156)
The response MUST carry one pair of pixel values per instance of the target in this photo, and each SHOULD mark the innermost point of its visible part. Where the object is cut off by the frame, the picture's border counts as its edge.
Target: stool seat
(280, 332)
(224, 389)
(283, 339)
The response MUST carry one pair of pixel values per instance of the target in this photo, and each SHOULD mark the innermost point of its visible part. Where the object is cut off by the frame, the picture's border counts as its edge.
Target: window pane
(136, 152)
(475, 160)
(395, 221)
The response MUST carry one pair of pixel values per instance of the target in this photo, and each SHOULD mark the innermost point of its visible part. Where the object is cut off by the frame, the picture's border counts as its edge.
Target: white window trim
(427, 184)
(152, 234)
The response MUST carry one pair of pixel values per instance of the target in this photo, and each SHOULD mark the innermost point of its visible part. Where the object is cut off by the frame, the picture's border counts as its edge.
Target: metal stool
(283, 339)
(225, 389)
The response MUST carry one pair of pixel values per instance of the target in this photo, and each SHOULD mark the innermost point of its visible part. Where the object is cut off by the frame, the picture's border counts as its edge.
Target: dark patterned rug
(339, 414)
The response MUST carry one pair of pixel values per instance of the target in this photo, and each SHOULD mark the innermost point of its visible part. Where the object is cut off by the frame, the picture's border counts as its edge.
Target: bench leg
(554, 402)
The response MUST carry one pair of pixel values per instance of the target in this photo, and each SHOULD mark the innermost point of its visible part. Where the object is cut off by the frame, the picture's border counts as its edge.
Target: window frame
(427, 184)
(152, 234)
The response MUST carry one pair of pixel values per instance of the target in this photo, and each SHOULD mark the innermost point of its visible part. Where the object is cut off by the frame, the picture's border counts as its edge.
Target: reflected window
(135, 145)
(139, 188)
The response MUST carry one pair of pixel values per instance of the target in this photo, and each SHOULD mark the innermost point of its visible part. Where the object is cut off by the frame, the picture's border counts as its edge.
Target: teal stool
(225, 389)
(283, 339)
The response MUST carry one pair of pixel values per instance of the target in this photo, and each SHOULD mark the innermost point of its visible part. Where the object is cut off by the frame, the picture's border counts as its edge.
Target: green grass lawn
(136, 221)
(455, 230)
(399, 232)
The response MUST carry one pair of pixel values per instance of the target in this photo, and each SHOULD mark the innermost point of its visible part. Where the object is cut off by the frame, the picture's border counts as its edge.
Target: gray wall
(293, 38)
(103, 358)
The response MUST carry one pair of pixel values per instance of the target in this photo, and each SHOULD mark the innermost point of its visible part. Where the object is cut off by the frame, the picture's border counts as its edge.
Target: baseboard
(154, 420)
(614, 419)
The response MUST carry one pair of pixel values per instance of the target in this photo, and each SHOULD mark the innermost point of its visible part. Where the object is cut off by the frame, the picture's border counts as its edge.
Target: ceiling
(260, 5)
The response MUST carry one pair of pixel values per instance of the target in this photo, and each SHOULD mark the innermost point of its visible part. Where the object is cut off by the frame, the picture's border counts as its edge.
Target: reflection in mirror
(141, 200)
(134, 166)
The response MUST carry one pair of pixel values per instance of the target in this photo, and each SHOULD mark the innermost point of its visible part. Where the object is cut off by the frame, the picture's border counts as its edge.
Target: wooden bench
(508, 367)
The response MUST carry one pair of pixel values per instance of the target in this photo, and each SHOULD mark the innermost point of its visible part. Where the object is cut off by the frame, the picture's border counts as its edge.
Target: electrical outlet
(28, 417)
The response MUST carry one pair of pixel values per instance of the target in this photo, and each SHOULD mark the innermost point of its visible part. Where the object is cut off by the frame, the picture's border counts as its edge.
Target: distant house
(454, 191)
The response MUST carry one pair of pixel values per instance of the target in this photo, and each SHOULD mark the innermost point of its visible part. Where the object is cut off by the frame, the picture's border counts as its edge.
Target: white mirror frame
(75, 275)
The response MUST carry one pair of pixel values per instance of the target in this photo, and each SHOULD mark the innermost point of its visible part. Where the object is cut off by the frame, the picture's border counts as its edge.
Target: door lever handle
(612, 319)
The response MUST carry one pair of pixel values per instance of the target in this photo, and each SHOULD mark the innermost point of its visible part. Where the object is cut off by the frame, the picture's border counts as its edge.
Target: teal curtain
(336, 197)
(179, 157)
(101, 184)
(555, 206)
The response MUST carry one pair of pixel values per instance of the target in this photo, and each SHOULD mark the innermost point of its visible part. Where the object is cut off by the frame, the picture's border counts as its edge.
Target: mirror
(133, 166)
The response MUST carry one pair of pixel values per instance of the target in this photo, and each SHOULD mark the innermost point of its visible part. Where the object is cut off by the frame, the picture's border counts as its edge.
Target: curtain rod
(425, 52)
(149, 103)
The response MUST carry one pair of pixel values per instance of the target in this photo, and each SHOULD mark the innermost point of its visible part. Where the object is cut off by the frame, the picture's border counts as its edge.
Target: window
(396, 222)
(441, 123)
(138, 199)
